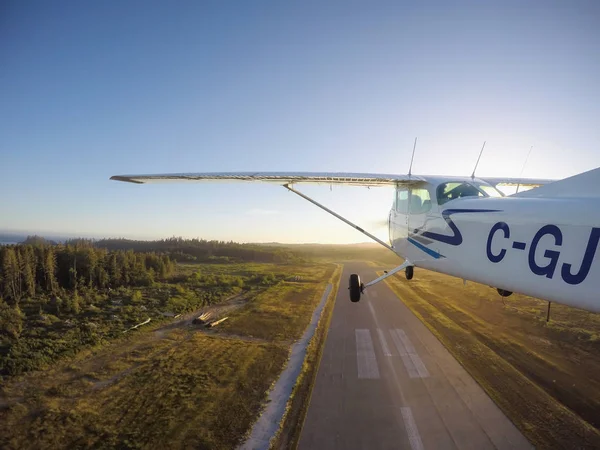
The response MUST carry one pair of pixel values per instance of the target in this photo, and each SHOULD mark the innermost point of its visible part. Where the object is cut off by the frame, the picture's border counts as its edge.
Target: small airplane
(541, 242)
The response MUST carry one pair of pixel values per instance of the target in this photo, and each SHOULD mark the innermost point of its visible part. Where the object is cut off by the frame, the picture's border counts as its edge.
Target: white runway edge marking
(411, 360)
(365, 355)
(268, 423)
(411, 429)
(384, 346)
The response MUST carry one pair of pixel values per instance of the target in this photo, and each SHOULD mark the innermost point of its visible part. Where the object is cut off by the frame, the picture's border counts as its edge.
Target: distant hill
(31, 237)
(11, 238)
(16, 238)
(38, 240)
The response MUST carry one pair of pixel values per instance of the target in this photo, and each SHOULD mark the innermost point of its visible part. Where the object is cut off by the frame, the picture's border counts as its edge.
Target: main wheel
(355, 288)
(504, 293)
(409, 272)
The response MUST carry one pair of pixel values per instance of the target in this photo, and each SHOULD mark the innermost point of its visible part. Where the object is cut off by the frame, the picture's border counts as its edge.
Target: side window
(420, 201)
(414, 201)
(402, 200)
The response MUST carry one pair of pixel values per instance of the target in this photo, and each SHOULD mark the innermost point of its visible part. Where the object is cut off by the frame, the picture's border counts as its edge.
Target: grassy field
(195, 391)
(277, 314)
(173, 386)
(544, 376)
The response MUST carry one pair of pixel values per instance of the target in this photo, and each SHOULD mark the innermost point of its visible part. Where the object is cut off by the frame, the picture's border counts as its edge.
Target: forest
(30, 269)
(49, 295)
(58, 298)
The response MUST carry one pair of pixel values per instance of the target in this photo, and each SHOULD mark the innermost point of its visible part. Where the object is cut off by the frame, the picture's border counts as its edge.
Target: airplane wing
(356, 179)
(528, 182)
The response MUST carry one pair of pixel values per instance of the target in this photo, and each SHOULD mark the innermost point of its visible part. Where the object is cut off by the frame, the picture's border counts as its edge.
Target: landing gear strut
(356, 288)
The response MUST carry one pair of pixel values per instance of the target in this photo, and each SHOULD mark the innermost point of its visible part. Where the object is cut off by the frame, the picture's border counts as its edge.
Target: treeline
(181, 249)
(202, 250)
(27, 270)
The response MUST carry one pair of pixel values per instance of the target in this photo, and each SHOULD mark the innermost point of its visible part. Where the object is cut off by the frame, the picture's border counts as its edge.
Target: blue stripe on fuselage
(456, 237)
(427, 250)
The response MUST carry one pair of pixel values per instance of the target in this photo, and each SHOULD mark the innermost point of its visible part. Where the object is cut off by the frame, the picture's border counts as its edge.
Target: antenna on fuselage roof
(478, 158)
(412, 158)
(523, 168)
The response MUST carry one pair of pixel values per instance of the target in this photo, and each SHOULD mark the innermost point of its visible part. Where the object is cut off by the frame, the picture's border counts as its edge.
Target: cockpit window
(456, 189)
(491, 191)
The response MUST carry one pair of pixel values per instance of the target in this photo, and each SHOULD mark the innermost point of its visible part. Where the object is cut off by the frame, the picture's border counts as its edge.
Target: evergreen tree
(87, 260)
(73, 303)
(28, 265)
(50, 282)
(11, 320)
(113, 270)
(11, 275)
(102, 278)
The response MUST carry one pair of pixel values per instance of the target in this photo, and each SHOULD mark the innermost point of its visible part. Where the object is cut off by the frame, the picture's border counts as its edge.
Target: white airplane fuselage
(543, 247)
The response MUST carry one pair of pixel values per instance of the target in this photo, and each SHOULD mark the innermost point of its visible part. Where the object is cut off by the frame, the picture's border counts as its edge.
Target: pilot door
(409, 218)
(418, 208)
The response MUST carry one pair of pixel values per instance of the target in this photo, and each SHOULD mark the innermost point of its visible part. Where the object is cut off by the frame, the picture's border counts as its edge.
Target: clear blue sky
(93, 89)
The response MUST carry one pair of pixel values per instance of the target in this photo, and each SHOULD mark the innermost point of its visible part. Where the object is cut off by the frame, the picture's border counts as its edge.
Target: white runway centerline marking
(372, 309)
(413, 363)
(410, 358)
(414, 356)
(365, 355)
(408, 364)
(411, 429)
(384, 346)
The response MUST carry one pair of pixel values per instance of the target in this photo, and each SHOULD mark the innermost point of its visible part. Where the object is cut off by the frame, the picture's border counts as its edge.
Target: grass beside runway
(544, 376)
(203, 392)
(280, 314)
(173, 387)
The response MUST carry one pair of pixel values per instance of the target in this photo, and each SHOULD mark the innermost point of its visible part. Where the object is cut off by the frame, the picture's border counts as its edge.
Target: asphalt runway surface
(386, 382)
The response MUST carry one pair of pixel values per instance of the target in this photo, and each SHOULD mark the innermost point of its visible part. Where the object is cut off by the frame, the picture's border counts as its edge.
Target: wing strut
(324, 208)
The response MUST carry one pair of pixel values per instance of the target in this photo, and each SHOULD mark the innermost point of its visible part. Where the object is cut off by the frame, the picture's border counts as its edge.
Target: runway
(386, 382)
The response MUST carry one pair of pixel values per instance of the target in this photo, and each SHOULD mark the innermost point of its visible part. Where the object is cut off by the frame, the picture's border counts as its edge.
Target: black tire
(409, 272)
(355, 288)
(504, 293)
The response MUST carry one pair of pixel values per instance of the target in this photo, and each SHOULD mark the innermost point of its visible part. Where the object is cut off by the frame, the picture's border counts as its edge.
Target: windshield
(459, 189)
